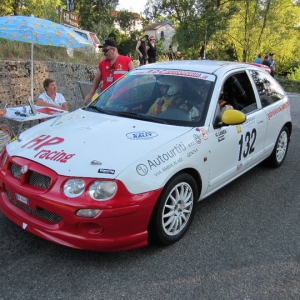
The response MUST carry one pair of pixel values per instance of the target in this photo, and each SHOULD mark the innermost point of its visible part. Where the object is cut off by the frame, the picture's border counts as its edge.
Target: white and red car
(111, 177)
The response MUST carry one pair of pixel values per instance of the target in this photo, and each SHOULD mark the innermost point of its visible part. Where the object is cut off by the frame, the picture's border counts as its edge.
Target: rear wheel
(280, 150)
(174, 210)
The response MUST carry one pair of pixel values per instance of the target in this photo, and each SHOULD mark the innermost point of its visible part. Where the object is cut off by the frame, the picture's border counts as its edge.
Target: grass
(290, 86)
(12, 50)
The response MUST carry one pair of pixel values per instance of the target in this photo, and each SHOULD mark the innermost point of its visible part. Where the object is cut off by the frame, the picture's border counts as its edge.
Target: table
(23, 114)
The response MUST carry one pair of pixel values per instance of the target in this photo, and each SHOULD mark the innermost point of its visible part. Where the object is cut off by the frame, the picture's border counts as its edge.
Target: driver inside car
(170, 89)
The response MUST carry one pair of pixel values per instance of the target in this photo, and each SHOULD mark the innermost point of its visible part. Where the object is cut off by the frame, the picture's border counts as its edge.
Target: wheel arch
(289, 126)
(155, 232)
(195, 174)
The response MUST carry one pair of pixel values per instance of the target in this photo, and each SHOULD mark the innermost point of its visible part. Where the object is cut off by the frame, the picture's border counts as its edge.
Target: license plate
(22, 199)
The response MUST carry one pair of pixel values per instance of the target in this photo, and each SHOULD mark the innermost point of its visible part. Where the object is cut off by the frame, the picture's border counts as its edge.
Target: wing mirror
(233, 117)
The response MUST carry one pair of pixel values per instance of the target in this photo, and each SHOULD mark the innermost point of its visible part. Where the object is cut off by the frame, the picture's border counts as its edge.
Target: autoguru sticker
(141, 135)
(48, 141)
(165, 160)
(277, 110)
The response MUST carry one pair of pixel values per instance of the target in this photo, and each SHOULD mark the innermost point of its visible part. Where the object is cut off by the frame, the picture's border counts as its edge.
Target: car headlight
(74, 187)
(102, 190)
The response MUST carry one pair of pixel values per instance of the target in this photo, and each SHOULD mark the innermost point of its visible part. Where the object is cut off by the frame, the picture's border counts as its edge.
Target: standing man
(272, 63)
(113, 67)
(141, 49)
(266, 61)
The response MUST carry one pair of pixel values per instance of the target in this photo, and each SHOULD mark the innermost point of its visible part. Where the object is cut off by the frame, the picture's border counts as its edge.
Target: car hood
(88, 144)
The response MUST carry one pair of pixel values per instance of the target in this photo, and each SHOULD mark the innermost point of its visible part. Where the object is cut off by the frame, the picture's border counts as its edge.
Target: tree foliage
(45, 9)
(195, 20)
(221, 29)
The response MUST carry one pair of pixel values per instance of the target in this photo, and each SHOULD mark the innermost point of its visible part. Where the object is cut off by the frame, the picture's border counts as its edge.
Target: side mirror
(233, 117)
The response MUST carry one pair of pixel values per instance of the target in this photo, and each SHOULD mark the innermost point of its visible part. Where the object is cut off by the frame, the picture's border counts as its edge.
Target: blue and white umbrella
(40, 31)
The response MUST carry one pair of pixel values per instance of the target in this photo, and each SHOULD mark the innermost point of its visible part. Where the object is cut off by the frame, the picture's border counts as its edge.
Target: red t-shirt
(111, 73)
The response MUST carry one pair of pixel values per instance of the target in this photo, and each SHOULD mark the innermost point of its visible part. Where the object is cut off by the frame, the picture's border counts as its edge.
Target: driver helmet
(174, 83)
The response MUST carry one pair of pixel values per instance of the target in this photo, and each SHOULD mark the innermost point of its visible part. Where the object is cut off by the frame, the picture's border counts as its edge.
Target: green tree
(265, 26)
(126, 20)
(195, 21)
(95, 13)
(44, 9)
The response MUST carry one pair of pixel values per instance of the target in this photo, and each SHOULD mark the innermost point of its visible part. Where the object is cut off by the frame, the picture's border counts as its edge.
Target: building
(162, 31)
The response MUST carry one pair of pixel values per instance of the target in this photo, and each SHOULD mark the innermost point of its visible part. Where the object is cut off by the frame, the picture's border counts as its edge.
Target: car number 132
(248, 140)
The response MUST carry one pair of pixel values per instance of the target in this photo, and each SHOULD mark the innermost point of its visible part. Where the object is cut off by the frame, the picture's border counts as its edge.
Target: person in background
(5, 132)
(113, 67)
(141, 48)
(266, 61)
(272, 64)
(151, 50)
(50, 97)
(257, 60)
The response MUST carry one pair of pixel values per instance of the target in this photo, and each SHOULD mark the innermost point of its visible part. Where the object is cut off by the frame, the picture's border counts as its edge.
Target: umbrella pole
(31, 69)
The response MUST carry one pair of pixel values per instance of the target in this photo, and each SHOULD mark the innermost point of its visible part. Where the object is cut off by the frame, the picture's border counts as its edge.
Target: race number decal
(247, 142)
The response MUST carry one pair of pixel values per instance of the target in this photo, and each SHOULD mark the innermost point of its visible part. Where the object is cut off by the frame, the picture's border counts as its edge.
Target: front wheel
(174, 210)
(280, 150)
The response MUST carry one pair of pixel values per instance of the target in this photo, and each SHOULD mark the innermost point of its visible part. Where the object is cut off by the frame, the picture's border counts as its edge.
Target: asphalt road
(243, 244)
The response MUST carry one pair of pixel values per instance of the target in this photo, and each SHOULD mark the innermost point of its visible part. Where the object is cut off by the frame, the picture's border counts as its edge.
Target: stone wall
(15, 81)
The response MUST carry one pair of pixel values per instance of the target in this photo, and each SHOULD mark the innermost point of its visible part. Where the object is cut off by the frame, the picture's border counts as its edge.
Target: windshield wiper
(128, 114)
(101, 110)
(140, 117)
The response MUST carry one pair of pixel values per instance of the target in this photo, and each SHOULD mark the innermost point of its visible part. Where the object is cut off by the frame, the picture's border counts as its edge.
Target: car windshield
(173, 97)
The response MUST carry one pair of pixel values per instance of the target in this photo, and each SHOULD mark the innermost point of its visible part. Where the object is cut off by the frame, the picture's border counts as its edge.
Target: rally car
(129, 168)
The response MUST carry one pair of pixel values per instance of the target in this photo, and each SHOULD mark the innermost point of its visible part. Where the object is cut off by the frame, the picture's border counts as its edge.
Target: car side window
(269, 91)
(82, 34)
(238, 92)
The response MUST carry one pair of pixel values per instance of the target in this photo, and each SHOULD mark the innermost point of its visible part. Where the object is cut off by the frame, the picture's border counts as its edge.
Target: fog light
(90, 228)
(87, 213)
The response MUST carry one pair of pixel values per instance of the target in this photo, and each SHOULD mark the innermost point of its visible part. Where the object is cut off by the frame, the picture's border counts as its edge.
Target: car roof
(207, 66)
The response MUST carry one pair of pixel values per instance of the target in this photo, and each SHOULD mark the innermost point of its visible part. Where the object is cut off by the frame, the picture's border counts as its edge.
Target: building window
(162, 35)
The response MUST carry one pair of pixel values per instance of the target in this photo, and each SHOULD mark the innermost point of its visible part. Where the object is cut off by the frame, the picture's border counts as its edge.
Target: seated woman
(170, 89)
(50, 97)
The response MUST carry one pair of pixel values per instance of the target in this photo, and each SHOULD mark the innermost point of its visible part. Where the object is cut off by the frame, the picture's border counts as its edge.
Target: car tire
(174, 210)
(278, 155)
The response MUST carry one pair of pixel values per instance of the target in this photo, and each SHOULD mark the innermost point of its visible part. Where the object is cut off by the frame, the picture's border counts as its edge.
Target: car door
(275, 104)
(236, 148)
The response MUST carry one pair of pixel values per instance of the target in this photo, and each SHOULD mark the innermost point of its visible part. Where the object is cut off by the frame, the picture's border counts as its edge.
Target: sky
(137, 6)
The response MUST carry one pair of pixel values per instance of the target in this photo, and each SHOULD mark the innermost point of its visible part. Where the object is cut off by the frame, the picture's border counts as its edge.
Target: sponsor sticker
(106, 171)
(192, 74)
(142, 169)
(141, 135)
(203, 133)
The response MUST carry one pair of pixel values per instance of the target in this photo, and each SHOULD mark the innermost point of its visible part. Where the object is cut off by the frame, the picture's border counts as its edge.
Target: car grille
(34, 178)
(39, 212)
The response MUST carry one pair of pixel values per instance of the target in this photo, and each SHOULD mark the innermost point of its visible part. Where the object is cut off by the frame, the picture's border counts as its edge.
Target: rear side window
(82, 34)
(268, 89)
